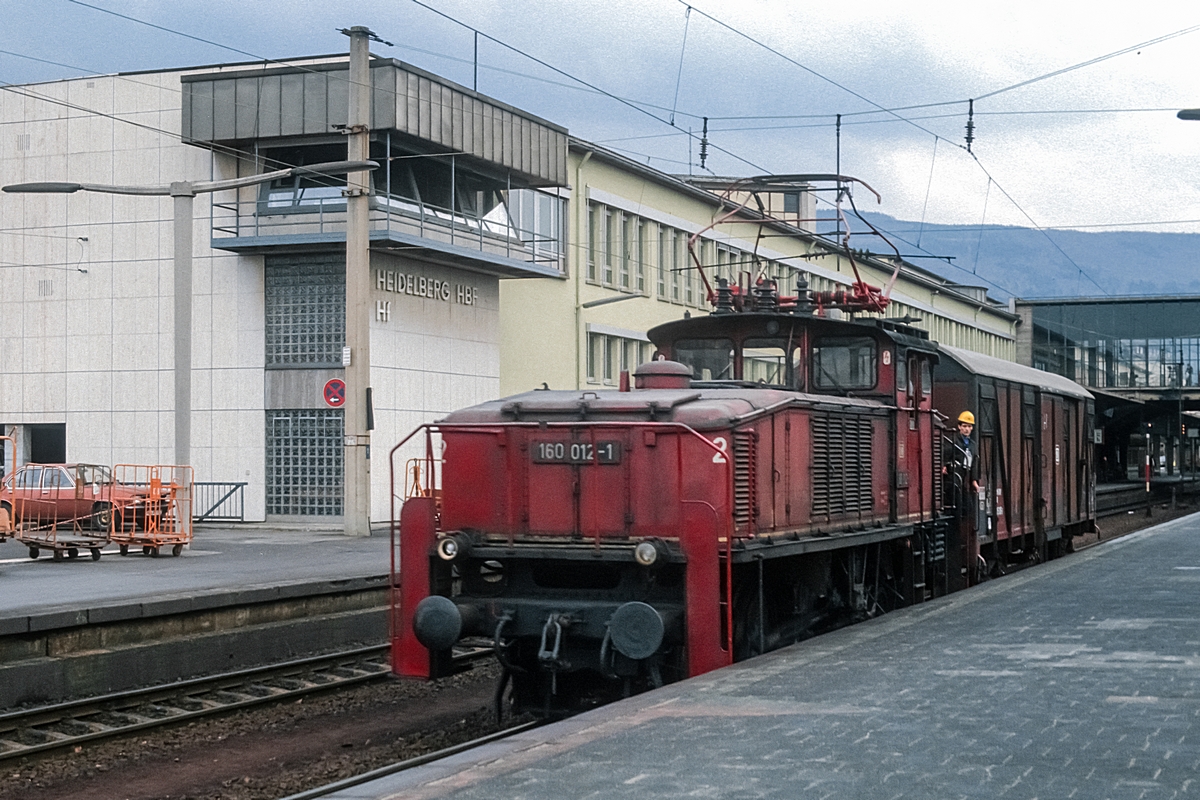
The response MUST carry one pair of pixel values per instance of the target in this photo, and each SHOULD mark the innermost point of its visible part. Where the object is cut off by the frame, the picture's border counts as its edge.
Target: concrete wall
(433, 350)
(86, 327)
(86, 299)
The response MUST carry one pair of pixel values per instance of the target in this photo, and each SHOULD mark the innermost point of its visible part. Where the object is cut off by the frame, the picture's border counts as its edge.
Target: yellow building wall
(548, 332)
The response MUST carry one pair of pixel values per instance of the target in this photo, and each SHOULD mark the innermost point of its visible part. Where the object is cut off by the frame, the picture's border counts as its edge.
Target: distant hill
(1023, 263)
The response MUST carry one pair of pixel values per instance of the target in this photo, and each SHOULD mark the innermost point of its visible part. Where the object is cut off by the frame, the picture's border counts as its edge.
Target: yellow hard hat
(967, 417)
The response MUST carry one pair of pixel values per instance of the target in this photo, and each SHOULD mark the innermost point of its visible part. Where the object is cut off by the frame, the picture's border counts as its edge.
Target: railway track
(63, 725)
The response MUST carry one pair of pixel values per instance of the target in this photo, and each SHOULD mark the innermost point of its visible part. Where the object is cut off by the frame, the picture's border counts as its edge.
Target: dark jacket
(961, 458)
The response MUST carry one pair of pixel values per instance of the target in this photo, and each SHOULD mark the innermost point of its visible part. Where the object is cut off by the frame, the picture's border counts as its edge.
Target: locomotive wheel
(95, 554)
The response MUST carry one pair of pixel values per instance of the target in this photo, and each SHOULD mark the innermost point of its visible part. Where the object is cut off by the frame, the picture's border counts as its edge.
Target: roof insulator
(970, 123)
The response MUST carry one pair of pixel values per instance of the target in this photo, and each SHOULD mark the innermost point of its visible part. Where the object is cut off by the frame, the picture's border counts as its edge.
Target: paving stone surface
(1076, 679)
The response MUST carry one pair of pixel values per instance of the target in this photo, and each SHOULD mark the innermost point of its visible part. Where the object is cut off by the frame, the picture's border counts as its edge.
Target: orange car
(79, 495)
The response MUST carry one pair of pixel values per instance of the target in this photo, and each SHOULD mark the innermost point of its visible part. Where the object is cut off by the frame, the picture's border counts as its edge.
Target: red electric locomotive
(773, 474)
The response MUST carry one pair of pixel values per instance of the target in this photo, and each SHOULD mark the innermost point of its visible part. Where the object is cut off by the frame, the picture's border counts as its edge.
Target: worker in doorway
(959, 455)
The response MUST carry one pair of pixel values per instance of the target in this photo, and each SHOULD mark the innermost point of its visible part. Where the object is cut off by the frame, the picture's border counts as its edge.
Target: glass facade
(305, 311)
(1129, 343)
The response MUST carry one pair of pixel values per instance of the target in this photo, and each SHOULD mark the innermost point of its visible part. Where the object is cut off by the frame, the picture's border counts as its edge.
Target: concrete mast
(358, 420)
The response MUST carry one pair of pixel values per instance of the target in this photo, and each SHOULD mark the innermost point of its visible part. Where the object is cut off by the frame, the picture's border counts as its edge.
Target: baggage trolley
(158, 516)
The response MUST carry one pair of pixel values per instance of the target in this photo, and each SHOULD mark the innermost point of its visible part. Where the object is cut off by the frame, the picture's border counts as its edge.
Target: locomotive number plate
(576, 453)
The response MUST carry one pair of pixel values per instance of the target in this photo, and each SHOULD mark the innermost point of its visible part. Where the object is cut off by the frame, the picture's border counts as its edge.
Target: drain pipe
(581, 256)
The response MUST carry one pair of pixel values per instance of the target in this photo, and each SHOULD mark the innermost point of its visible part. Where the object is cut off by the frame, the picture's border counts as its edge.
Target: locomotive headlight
(645, 554)
(450, 548)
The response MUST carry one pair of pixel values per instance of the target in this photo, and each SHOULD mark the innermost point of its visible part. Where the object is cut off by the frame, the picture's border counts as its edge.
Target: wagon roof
(993, 367)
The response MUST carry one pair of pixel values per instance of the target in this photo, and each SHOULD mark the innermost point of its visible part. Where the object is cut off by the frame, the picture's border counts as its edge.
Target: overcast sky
(1062, 166)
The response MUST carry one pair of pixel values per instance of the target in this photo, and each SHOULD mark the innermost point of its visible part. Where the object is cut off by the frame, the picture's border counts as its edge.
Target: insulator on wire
(970, 123)
(704, 144)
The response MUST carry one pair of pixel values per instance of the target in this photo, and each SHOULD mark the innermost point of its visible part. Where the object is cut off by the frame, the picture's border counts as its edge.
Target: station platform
(1078, 678)
(221, 560)
(237, 597)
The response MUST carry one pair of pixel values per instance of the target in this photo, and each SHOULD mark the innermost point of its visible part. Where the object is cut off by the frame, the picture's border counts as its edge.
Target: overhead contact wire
(687, 17)
(1036, 226)
(928, 188)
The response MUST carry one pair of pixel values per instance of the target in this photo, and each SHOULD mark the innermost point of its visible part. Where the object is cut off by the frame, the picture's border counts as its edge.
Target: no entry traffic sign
(335, 392)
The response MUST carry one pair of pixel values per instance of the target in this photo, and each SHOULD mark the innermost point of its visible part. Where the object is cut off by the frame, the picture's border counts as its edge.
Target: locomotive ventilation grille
(841, 466)
(743, 477)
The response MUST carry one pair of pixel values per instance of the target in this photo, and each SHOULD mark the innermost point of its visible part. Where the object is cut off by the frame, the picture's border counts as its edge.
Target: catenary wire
(1037, 227)
(631, 104)
(566, 74)
(1092, 61)
(796, 63)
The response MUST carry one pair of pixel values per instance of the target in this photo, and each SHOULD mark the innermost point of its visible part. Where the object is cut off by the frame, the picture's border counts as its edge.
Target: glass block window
(305, 311)
(304, 462)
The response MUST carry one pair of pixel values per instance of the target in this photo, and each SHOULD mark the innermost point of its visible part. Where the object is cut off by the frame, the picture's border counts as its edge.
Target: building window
(608, 356)
(664, 259)
(612, 244)
(305, 311)
(308, 192)
(536, 216)
(628, 246)
(684, 259)
(640, 257)
(676, 276)
(591, 358)
(304, 462)
(595, 239)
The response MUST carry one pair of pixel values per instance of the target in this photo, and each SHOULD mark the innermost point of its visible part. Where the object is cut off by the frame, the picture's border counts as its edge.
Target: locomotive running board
(781, 545)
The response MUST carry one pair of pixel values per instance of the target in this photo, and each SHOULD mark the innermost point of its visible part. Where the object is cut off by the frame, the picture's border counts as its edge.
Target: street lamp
(184, 192)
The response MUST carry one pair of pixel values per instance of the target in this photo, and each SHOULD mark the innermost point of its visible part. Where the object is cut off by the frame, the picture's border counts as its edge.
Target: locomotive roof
(989, 366)
(745, 322)
(702, 408)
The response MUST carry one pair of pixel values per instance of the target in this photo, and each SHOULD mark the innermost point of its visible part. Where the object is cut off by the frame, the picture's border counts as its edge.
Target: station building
(1140, 358)
(504, 254)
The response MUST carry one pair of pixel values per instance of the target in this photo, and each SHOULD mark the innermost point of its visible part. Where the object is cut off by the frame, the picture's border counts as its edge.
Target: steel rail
(74, 722)
(416, 761)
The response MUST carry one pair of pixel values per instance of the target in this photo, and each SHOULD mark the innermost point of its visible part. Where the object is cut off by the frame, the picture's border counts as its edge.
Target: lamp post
(184, 193)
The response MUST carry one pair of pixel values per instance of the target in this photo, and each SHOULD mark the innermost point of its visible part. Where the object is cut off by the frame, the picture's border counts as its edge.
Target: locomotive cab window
(766, 361)
(844, 362)
(710, 359)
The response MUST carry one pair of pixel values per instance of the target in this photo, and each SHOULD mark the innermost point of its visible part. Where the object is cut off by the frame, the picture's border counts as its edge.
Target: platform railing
(496, 233)
(219, 501)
